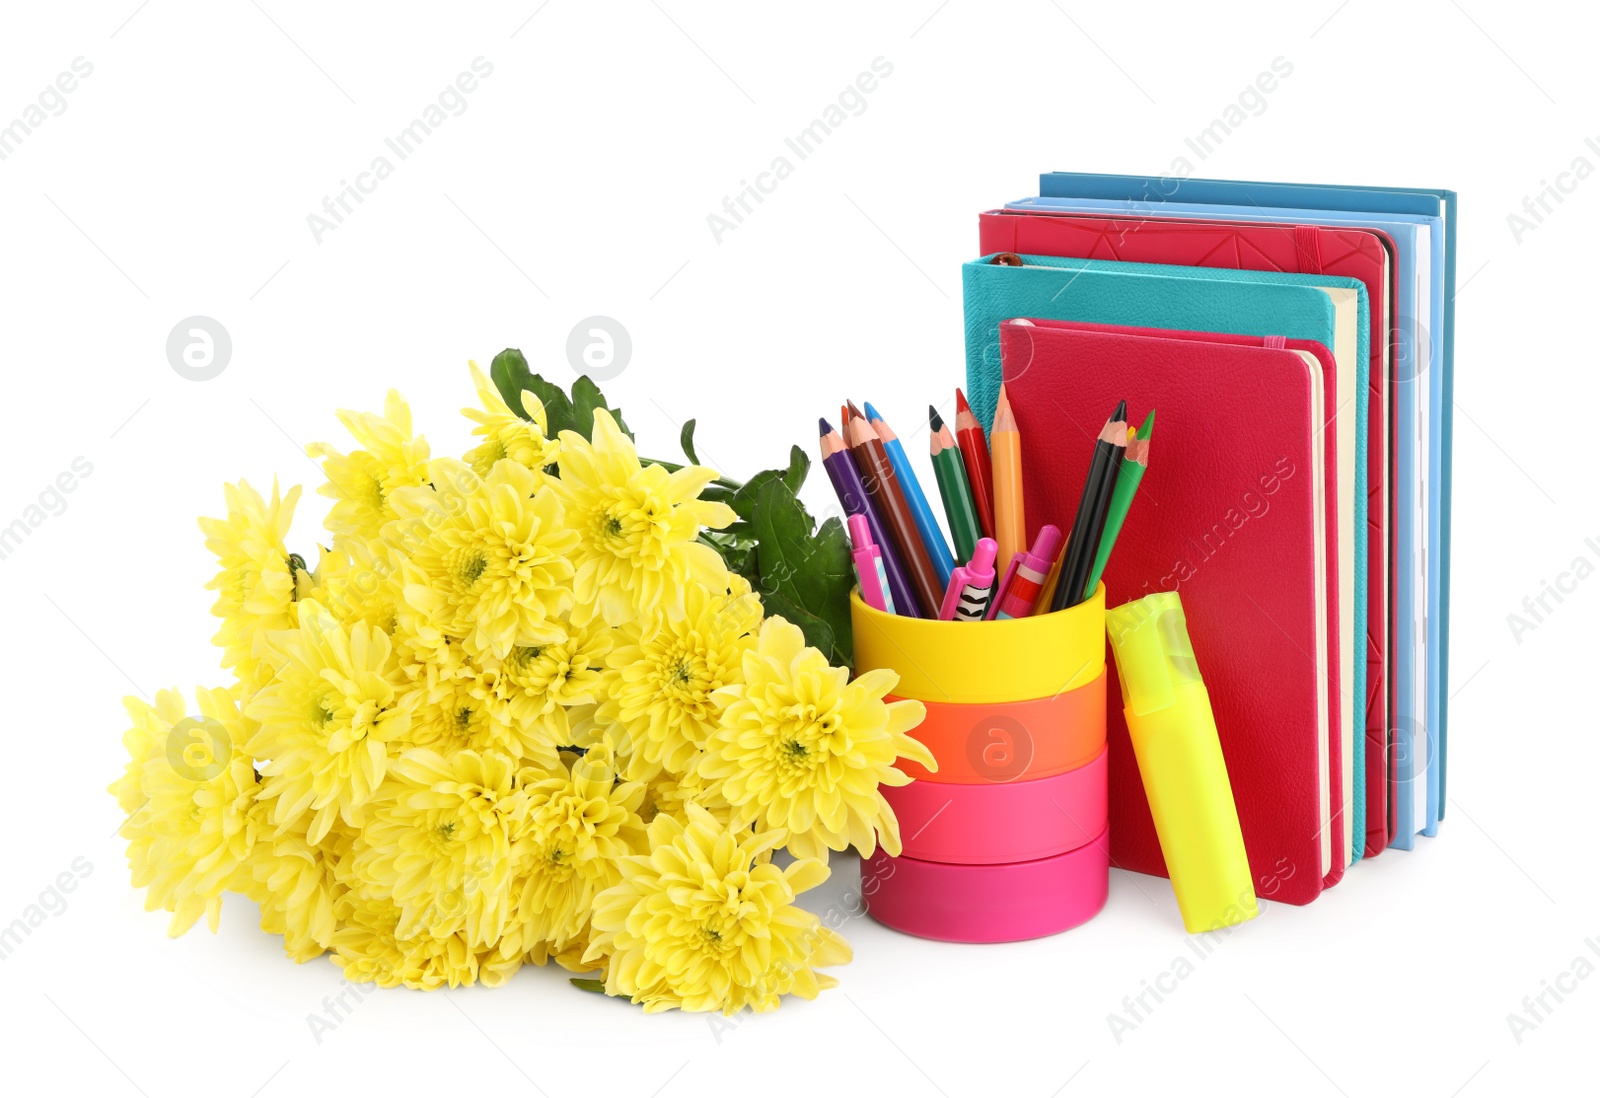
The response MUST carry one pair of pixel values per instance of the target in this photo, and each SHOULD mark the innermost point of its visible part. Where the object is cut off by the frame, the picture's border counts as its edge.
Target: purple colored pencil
(853, 498)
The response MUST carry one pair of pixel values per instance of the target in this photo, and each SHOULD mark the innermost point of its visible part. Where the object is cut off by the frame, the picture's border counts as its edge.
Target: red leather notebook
(1365, 254)
(1227, 516)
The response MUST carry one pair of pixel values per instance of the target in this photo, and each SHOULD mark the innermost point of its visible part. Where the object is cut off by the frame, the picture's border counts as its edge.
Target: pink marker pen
(870, 572)
(1028, 576)
(967, 597)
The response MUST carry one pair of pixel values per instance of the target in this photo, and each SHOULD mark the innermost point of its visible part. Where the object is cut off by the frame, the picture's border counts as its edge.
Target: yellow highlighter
(1180, 760)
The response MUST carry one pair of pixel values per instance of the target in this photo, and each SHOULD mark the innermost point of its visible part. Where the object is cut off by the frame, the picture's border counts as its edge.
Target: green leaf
(586, 398)
(583, 984)
(799, 466)
(804, 571)
(744, 499)
(510, 374)
(819, 634)
(686, 440)
(508, 371)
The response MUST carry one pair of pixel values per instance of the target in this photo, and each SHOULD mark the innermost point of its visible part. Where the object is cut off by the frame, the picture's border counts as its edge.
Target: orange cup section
(992, 742)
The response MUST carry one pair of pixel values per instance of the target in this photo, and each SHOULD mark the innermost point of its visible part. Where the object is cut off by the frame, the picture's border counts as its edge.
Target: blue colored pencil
(944, 561)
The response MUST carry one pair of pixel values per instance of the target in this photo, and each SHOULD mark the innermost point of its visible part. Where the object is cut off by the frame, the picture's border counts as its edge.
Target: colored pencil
(887, 498)
(1092, 501)
(951, 475)
(1130, 472)
(975, 454)
(852, 495)
(1047, 593)
(927, 526)
(1005, 460)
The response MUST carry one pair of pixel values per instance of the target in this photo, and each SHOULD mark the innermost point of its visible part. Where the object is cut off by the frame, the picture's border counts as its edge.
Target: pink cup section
(988, 903)
(1006, 822)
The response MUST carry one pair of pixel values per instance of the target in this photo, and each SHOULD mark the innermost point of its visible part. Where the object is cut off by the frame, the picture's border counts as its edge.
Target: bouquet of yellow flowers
(544, 701)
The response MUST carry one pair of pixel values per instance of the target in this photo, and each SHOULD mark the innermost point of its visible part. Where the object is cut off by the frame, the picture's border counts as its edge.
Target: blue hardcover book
(1214, 300)
(1150, 192)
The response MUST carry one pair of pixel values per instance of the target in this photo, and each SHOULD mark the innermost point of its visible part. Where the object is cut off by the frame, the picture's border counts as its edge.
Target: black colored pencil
(1119, 447)
(1092, 503)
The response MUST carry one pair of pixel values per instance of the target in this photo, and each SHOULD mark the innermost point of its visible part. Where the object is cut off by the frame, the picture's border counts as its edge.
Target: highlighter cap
(1150, 643)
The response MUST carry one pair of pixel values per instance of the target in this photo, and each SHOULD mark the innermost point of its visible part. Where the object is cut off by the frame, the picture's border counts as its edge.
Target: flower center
(469, 568)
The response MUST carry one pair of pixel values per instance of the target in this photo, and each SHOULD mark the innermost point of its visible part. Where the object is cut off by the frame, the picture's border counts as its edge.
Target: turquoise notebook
(1147, 295)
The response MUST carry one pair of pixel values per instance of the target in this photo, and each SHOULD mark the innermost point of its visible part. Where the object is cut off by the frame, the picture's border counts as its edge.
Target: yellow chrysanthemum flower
(361, 482)
(804, 749)
(256, 586)
(188, 839)
(569, 957)
(439, 842)
(487, 558)
(356, 580)
(292, 882)
(147, 737)
(458, 709)
(327, 719)
(673, 796)
(705, 922)
(532, 689)
(368, 951)
(638, 526)
(507, 435)
(580, 821)
(670, 664)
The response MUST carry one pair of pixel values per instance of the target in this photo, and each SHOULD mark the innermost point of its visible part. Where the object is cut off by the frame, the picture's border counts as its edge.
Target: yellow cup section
(983, 661)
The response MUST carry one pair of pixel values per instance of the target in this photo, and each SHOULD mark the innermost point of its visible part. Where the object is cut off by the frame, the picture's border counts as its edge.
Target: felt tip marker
(970, 585)
(874, 579)
(1029, 571)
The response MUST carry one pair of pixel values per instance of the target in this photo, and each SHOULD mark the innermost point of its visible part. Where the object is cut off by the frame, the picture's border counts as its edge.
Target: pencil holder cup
(1006, 840)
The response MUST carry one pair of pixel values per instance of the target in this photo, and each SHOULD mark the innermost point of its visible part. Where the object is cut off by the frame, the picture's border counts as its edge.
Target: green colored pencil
(1129, 474)
(959, 509)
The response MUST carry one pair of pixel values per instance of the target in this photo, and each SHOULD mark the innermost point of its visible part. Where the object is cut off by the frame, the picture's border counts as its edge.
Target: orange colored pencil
(975, 454)
(1005, 459)
(1048, 592)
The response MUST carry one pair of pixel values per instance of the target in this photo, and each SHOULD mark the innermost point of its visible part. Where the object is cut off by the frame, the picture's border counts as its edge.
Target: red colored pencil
(883, 488)
(975, 455)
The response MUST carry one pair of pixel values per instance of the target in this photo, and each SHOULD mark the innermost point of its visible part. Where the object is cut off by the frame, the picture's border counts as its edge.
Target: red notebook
(1365, 254)
(1228, 516)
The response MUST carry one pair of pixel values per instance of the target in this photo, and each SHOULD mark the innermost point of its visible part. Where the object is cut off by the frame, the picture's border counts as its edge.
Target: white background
(577, 182)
